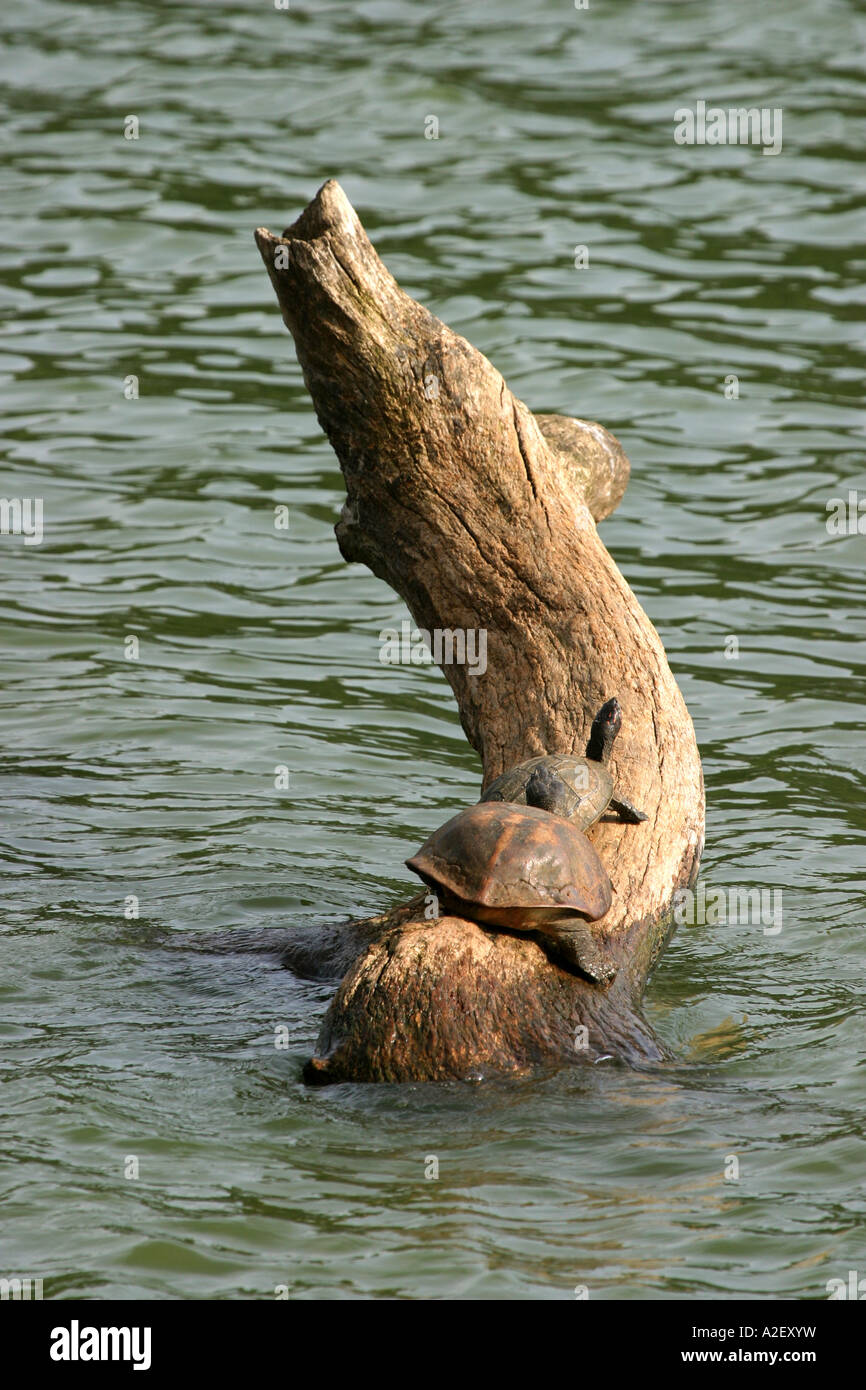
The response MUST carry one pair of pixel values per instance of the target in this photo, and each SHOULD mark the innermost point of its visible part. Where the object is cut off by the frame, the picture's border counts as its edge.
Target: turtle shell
(590, 783)
(514, 866)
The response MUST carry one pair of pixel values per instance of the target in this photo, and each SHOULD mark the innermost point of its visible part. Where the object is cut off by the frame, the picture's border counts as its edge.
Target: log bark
(483, 517)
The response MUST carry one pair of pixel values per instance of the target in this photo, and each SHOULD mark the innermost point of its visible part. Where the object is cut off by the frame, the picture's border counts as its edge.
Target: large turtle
(523, 868)
(581, 789)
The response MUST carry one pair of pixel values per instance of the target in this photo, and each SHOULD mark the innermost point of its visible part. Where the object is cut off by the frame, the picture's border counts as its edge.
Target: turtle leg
(580, 949)
(626, 811)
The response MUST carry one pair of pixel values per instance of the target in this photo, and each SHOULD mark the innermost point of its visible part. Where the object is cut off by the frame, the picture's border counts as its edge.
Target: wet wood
(483, 517)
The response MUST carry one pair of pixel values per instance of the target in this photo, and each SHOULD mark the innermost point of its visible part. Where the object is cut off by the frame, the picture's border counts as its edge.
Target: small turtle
(522, 868)
(580, 789)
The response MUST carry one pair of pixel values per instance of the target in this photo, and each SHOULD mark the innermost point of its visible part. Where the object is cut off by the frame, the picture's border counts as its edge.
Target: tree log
(482, 517)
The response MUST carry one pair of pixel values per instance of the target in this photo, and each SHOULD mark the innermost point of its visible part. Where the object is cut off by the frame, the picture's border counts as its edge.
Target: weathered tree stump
(482, 516)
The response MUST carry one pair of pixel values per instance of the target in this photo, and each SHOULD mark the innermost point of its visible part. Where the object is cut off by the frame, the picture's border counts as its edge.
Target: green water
(154, 777)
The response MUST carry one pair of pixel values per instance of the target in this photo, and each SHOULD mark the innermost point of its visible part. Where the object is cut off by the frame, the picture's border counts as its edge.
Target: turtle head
(547, 790)
(605, 727)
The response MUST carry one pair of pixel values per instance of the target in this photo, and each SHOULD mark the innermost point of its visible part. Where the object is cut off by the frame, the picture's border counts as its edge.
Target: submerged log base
(482, 517)
(329, 952)
(436, 1002)
(324, 951)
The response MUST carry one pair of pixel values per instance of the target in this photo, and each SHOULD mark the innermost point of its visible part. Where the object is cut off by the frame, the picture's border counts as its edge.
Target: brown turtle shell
(514, 866)
(588, 781)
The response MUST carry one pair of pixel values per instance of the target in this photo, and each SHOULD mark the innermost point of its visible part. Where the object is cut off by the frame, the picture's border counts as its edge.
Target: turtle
(580, 789)
(525, 869)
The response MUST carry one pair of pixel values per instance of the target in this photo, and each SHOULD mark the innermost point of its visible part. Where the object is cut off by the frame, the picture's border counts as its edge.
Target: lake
(165, 647)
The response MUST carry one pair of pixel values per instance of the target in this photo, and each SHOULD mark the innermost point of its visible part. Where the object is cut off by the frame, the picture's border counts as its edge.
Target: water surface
(155, 777)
